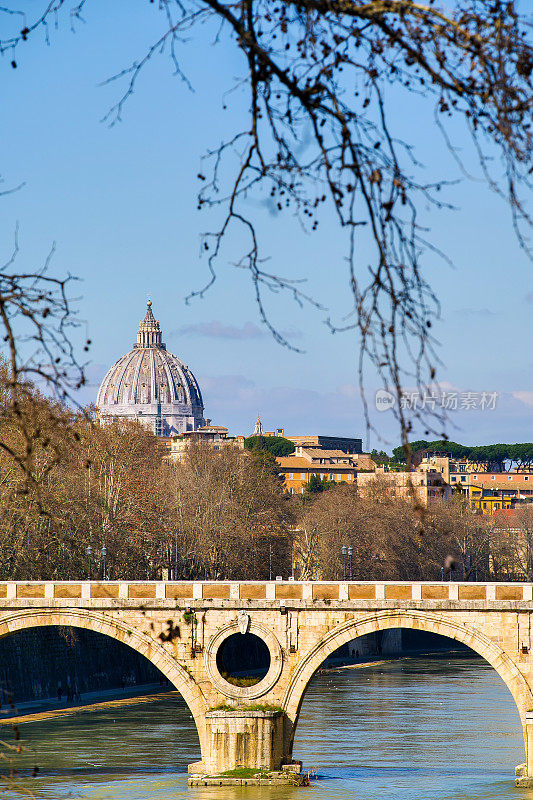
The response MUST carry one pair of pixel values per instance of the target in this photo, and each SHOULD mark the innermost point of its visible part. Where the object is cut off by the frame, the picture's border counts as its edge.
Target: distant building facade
(216, 436)
(486, 491)
(331, 465)
(453, 470)
(489, 492)
(296, 470)
(344, 443)
(427, 486)
(152, 386)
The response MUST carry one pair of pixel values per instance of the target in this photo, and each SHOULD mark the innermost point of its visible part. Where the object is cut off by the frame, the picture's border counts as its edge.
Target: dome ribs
(147, 377)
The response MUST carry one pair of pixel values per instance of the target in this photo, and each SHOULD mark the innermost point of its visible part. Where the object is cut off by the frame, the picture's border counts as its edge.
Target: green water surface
(443, 728)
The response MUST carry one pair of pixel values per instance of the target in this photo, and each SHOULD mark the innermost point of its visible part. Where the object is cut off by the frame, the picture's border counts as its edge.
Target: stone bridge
(181, 627)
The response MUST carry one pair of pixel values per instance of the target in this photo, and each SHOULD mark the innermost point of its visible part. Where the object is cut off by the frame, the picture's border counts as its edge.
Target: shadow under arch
(132, 637)
(416, 620)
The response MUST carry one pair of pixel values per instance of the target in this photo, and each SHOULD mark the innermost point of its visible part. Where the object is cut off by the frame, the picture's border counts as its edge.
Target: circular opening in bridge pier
(243, 659)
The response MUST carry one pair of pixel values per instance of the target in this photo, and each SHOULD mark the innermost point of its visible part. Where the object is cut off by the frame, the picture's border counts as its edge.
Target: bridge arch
(384, 620)
(128, 635)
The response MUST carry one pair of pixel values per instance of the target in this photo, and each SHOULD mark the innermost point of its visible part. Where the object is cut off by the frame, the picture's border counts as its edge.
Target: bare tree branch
(322, 72)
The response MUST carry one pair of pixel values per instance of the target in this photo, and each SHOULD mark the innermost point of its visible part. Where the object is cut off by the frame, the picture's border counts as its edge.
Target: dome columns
(149, 333)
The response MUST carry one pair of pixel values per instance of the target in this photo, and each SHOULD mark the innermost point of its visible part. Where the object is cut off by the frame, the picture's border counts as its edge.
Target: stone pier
(242, 739)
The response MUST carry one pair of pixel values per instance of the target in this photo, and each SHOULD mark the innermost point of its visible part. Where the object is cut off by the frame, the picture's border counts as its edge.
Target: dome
(153, 386)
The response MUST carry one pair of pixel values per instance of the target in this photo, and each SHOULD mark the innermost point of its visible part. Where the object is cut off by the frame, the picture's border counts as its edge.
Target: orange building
(488, 492)
(332, 465)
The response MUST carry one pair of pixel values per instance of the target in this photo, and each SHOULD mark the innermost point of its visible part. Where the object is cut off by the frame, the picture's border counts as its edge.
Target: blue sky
(120, 204)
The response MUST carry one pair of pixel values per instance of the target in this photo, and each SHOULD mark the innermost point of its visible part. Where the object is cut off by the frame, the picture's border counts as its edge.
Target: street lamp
(292, 558)
(89, 552)
(350, 552)
(104, 553)
(344, 550)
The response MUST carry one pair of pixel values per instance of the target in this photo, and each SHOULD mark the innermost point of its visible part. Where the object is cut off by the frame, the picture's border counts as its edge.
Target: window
(484, 505)
(474, 477)
(493, 477)
(303, 476)
(496, 505)
(526, 477)
(291, 475)
(509, 477)
(331, 476)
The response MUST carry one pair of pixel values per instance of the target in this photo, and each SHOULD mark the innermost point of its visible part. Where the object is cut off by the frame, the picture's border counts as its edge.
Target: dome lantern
(149, 333)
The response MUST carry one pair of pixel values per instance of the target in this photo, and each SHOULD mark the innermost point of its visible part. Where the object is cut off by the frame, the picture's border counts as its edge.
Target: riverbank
(50, 708)
(40, 710)
(37, 710)
(436, 654)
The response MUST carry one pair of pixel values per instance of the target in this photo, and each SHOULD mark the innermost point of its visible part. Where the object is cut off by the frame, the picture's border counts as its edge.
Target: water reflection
(439, 728)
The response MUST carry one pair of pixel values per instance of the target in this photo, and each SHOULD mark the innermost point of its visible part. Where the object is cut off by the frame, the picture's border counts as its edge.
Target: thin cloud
(235, 401)
(219, 330)
(524, 397)
(477, 312)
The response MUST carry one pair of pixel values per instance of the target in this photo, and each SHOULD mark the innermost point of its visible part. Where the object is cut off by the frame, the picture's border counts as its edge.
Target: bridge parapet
(263, 593)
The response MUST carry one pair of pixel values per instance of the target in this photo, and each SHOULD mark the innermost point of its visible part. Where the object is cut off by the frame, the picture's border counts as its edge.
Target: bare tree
(469, 536)
(324, 73)
(384, 533)
(36, 325)
(231, 515)
(513, 544)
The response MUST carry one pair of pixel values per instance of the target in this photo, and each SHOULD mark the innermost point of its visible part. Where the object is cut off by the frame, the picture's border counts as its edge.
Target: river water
(440, 728)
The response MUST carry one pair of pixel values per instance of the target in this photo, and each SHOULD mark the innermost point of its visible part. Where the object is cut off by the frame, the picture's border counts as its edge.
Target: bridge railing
(263, 590)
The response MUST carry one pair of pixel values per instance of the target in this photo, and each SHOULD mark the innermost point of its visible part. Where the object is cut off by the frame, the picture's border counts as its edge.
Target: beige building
(428, 485)
(453, 470)
(214, 435)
